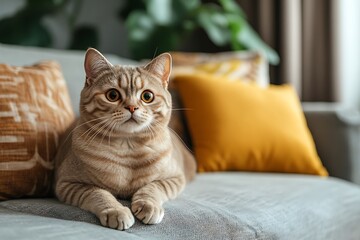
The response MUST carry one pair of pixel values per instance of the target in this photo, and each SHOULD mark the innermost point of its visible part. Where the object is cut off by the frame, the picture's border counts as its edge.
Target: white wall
(100, 14)
(347, 43)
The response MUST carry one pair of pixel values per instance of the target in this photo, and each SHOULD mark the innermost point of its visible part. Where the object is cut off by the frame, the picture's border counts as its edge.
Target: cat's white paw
(117, 218)
(147, 212)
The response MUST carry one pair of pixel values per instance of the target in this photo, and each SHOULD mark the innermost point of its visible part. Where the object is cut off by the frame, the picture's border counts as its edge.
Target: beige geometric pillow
(35, 110)
(245, 66)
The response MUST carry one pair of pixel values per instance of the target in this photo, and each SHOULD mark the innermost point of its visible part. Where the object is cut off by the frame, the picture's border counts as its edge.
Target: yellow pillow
(239, 126)
(245, 66)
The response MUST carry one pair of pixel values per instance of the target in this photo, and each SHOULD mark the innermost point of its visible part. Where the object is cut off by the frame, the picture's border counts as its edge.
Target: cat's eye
(113, 95)
(147, 96)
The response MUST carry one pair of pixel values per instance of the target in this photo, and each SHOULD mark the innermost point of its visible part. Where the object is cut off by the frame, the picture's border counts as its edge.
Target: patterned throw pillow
(35, 110)
(242, 66)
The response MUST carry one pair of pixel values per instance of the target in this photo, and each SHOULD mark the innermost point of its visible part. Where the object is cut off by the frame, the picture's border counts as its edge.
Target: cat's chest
(123, 170)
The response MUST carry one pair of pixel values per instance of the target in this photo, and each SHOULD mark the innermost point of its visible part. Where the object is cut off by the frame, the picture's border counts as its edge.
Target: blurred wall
(346, 41)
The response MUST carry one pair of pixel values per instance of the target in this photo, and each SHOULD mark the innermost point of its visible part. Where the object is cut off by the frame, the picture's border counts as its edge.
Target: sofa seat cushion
(215, 206)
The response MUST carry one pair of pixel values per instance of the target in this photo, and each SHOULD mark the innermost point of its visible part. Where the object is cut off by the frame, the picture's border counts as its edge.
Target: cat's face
(125, 99)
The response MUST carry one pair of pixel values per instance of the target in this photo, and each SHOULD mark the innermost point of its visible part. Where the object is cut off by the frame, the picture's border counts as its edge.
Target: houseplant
(163, 25)
(26, 26)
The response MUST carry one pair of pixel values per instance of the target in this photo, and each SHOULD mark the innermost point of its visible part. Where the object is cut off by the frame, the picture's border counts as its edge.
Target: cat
(121, 146)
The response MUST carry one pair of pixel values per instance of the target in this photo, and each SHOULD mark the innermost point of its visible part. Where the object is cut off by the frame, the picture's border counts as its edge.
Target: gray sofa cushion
(214, 206)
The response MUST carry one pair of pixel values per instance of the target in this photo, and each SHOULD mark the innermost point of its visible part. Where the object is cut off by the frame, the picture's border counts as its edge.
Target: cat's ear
(161, 67)
(94, 64)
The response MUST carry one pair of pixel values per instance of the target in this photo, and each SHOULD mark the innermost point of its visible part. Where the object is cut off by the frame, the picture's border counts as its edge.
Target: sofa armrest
(336, 131)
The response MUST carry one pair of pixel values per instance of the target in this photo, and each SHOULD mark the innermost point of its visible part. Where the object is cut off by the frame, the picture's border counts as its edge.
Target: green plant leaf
(235, 23)
(155, 43)
(129, 7)
(231, 6)
(23, 31)
(145, 37)
(251, 40)
(160, 11)
(171, 12)
(163, 24)
(188, 5)
(37, 8)
(183, 11)
(140, 26)
(215, 25)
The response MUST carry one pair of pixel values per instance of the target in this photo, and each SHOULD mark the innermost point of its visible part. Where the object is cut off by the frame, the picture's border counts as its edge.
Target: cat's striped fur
(123, 148)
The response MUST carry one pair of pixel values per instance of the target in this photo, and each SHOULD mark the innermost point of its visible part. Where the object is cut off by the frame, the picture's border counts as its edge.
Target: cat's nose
(131, 108)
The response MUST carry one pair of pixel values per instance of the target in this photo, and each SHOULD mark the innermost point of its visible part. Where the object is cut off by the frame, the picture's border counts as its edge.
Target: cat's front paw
(117, 218)
(147, 212)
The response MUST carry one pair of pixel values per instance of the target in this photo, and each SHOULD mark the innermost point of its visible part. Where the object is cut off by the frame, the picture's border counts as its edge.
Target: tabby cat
(121, 146)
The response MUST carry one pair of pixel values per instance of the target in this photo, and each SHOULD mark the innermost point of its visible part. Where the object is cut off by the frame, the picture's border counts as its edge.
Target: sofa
(216, 205)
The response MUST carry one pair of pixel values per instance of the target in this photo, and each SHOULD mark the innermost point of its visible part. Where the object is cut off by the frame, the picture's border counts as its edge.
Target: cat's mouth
(131, 120)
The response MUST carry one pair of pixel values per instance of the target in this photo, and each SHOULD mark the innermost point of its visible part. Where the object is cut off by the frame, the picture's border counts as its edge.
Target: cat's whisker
(82, 125)
(106, 131)
(177, 135)
(152, 133)
(93, 128)
(158, 125)
(149, 132)
(100, 130)
(112, 126)
(89, 133)
(112, 129)
(94, 134)
(182, 109)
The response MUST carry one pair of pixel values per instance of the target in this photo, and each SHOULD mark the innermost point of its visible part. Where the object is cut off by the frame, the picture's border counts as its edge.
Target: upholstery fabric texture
(35, 110)
(232, 205)
(271, 131)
